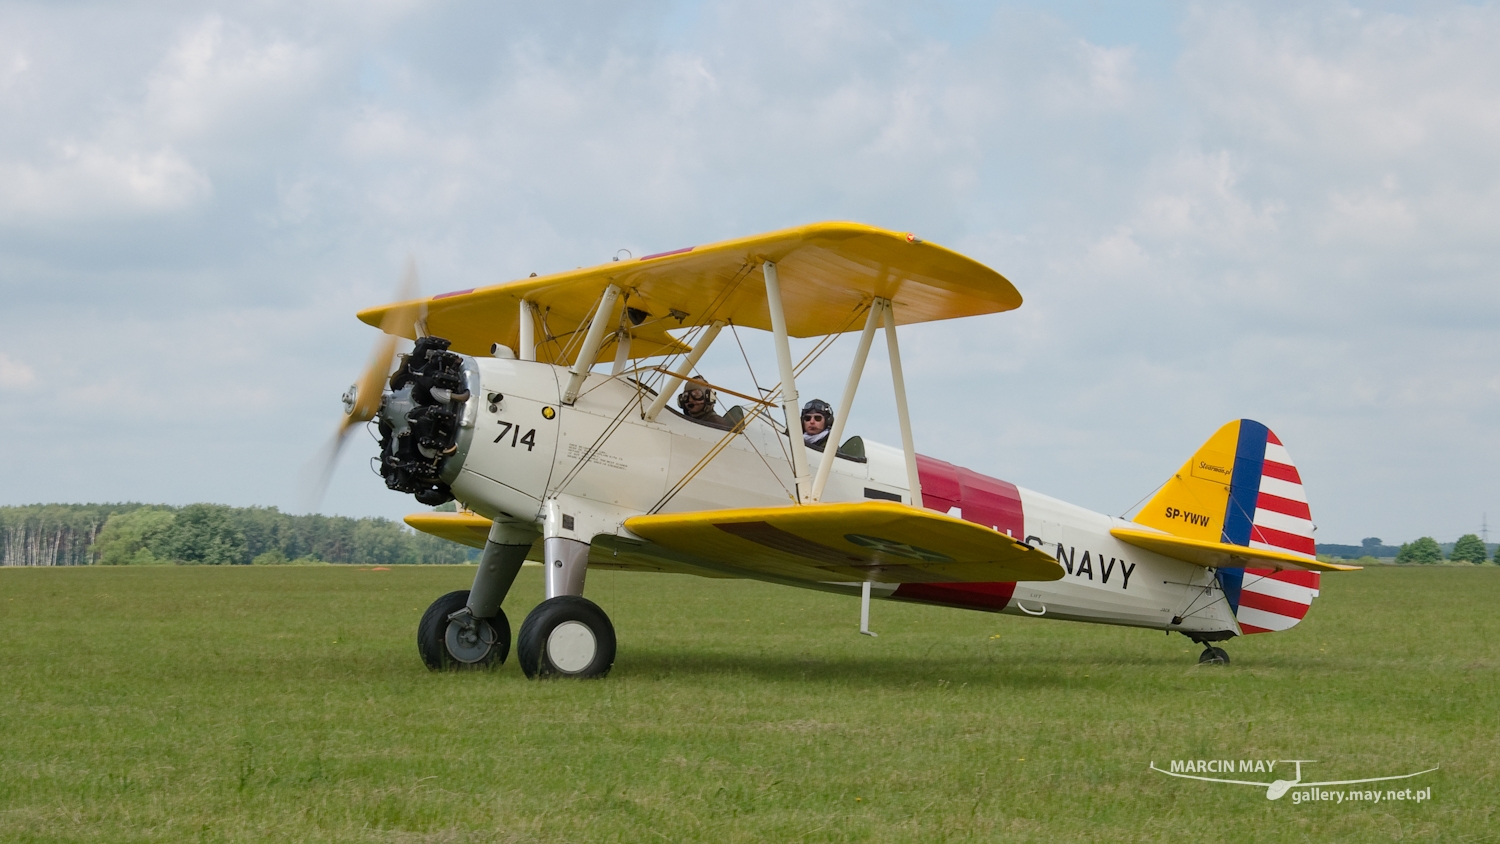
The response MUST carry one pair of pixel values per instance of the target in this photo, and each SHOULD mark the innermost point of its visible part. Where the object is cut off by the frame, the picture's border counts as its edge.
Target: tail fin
(1241, 488)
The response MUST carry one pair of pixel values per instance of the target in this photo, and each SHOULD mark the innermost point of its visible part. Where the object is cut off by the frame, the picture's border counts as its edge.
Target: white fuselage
(581, 470)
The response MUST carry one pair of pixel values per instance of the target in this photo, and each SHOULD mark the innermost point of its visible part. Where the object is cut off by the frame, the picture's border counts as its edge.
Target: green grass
(289, 704)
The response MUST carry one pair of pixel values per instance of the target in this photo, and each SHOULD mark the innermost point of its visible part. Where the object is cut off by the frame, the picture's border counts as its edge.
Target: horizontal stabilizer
(879, 541)
(1219, 555)
(469, 529)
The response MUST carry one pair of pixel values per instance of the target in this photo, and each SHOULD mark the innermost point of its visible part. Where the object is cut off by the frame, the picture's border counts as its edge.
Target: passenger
(817, 419)
(698, 404)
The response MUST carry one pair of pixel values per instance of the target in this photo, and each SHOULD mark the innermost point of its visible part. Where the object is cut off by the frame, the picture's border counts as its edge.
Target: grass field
(289, 704)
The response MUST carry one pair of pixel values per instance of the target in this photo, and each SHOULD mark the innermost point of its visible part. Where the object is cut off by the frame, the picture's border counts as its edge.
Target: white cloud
(82, 182)
(1362, 86)
(1378, 216)
(15, 374)
(1291, 215)
(1096, 79)
(13, 70)
(1196, 198)
(221, 77)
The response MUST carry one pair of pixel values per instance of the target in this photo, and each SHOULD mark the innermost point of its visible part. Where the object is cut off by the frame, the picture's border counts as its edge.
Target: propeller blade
(318, 471)
(365, 402)
(362, 401)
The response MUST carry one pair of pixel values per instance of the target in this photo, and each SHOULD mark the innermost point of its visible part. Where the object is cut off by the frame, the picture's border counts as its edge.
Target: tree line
(1468, 549)
(206, 534)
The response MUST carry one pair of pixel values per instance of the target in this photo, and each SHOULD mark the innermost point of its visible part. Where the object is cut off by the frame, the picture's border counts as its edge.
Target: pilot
(817, 419)
(698, 404)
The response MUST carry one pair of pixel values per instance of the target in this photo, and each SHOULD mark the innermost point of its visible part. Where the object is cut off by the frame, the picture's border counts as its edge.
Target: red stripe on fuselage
(1286, 506)
(974, 596)
(982, 500)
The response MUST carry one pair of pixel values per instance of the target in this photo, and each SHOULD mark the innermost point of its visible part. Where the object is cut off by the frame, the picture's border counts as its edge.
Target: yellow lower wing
(469, 529)
(1218, 555)
(884, 542)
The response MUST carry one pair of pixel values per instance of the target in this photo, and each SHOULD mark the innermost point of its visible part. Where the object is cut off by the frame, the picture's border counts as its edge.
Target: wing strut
(526, 340)
(898, 381)
(841, 416)
(586, 355)
(682, 371)
(789, 406)
(622, 352)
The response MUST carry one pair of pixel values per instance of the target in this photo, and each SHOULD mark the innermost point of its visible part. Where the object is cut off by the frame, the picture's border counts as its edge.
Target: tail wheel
(464, 643)
(566, 636)
(1213, 656)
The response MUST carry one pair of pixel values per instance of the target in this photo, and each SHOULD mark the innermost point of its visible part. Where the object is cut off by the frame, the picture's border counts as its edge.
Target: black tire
(536, 641)
(434, 629)
(1213, 656)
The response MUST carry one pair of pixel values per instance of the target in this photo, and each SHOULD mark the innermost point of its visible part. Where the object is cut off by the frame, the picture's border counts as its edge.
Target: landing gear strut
(467, 629)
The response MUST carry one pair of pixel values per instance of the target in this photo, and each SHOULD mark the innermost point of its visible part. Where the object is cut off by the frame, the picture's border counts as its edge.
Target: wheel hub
(470, 642)
(571, 647)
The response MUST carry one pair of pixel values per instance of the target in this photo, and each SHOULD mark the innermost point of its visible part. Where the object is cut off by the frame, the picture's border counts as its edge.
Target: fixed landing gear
(467, 629)
(449, 638)
(566, 636)
(1213, 656)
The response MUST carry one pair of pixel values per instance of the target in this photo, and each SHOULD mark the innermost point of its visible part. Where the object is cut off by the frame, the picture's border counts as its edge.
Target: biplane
(543, 406)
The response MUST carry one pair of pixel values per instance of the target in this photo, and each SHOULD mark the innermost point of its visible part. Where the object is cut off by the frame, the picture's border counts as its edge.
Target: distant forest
(206, 534)
(1371, 547)
(1374, 547)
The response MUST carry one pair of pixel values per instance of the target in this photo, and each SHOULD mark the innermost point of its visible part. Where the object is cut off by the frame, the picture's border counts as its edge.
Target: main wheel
(465, 644)
(1213, 656)
(566, 636)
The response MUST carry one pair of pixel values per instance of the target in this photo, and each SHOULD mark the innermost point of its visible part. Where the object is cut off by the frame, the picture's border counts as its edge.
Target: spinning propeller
(362, 400)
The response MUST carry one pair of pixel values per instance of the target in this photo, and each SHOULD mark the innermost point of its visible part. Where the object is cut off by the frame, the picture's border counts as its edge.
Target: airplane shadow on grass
(894, 671)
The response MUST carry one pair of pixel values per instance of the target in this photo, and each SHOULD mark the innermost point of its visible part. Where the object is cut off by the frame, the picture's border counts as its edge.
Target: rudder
(1242, 488)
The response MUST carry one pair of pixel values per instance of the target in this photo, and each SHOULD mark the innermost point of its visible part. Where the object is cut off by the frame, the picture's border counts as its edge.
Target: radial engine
(420, 418)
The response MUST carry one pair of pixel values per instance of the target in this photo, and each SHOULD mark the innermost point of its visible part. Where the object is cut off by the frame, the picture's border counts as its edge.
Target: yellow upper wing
(1219, 555)
(828, 271)
(881, 541)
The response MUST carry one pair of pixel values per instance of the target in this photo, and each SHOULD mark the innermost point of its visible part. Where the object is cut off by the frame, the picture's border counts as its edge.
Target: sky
(1283, 211)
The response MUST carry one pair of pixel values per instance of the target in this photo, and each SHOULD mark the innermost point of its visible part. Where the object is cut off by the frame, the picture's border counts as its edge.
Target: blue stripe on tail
(1230, 580)
(1244, 487)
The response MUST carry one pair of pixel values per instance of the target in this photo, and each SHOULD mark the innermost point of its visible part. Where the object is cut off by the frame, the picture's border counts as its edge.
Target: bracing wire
(824, 343)
(1144, 497)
